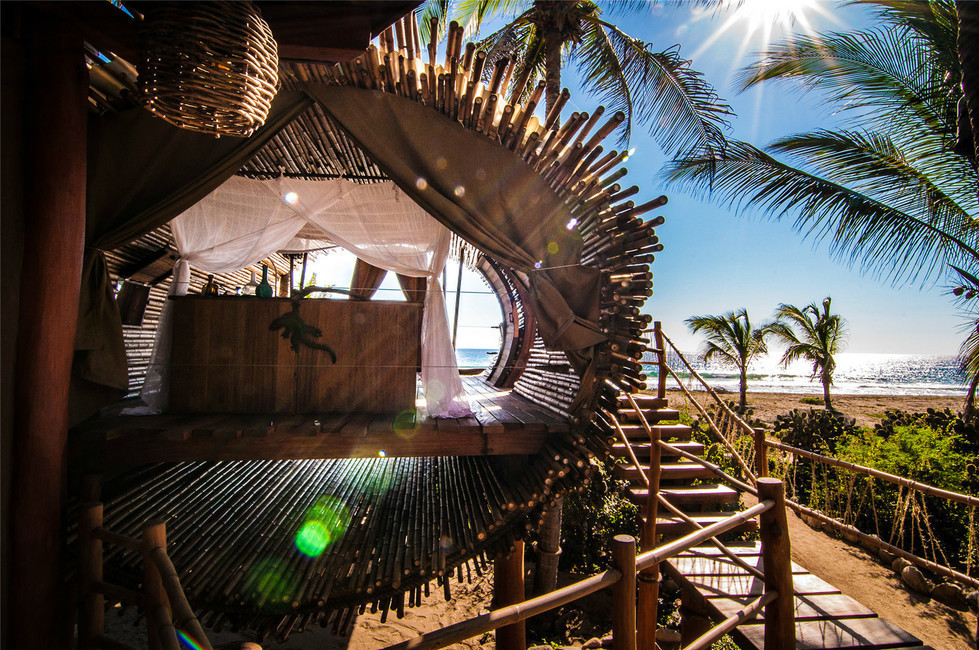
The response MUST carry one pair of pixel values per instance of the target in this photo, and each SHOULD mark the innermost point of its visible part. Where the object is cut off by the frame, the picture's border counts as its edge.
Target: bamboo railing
(627, 627)
(170, 621)
(749, 450)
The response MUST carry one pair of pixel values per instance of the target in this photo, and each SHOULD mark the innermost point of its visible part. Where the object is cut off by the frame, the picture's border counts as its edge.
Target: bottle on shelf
(211, 287)
(264, 289)
(249, 288)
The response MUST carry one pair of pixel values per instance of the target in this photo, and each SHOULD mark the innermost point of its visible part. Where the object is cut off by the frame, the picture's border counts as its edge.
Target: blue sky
(716, 261)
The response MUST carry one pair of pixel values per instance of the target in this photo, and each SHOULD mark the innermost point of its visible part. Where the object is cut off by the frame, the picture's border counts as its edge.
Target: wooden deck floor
(502, 423)
(825, 617)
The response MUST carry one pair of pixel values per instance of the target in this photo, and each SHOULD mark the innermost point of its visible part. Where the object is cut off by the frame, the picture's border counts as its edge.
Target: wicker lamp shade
(209, 66)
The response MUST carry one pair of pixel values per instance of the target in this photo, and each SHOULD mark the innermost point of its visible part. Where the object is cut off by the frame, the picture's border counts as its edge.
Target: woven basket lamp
(209, 66)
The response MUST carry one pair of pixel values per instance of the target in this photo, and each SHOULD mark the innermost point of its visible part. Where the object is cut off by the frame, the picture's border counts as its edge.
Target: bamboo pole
(649, 577)
(508, 589)
(624, 593)
(776, 554)
(155, 536)
(91, 615)
(184, 616)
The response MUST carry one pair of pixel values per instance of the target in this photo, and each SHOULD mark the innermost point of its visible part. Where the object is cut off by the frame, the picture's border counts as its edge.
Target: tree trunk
(743, 399)
(827, 380)
(970, 400)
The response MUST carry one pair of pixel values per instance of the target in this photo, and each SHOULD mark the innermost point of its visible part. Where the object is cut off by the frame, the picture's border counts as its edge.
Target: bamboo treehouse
(393, 502)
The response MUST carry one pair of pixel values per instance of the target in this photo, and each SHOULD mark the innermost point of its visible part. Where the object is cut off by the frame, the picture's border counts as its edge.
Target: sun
(771, 18)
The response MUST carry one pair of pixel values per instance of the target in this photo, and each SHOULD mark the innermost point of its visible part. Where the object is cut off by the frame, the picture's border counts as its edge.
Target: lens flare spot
(460, 190)
(405, 420)
(270, 584)
(434, 391)
(538, 264)
(324, 524)
(187, 641)
(291, 197)
(312, 539)
(421, 183)
(553, 248)
(571, 224)
(441, 162)
(446, 544)
(382, 453)
(481, 174)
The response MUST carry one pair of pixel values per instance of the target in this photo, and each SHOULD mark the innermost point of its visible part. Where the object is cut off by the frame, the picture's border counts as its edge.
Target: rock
(973, 599)
(951, 594)
(248, 645)
(593, 642)
(899, 565)
(540, 647)
(666, 635)
(607, 642)
(886, 557)
(851, 537)
(913, 578)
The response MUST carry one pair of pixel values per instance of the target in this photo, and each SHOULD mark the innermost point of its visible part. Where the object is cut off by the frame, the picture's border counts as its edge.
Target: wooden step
(652, 416)
(645, 402)
(667, 432)
(642, 449)
(673, 527)
(687, 496)
(668, 471)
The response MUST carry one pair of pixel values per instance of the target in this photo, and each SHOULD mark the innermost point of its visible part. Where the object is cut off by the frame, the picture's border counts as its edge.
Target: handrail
(687, 542)
(526, 609)
(717, 432)
(749, 612)
(870, 471)
(717, 471)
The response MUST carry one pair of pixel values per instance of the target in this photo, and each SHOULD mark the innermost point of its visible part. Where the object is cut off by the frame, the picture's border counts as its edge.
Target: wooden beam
(508, 588)
(54, 232)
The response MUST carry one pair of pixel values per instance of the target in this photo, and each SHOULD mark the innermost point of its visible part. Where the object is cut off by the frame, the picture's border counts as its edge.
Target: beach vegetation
(813, 334)
(810, 399)
(893, 190)
(657, 89)
(732, 340)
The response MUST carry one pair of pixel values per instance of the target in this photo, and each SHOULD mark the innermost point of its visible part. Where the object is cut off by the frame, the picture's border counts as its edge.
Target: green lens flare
(324, 524)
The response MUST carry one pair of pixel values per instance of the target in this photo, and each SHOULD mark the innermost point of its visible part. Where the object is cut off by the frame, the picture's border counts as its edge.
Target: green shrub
(592, 518)
(814, 430)
(811, 400)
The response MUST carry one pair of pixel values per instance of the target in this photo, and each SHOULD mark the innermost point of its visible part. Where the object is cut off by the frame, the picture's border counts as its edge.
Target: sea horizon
(857, 373)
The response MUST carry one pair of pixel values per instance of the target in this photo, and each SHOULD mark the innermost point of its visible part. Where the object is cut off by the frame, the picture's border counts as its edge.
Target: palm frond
(881, 238)
(438, 9)
(887, 71)
(471, 13)
(926, 181)
(659, 88)
(935, 21)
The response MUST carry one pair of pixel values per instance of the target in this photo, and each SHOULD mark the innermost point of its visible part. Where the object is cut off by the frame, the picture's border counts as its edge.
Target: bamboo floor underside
(825, 617)
(503, 423)
(392, 529)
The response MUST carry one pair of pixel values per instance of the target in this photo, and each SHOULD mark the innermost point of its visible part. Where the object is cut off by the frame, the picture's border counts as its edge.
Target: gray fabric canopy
(143, 172)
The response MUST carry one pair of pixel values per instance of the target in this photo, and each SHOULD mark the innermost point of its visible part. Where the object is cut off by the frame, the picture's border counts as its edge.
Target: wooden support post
(508, 588)
(54, 236)
(694, 622)
(157, 604)
(661, 359)
(624, 593)
(548, 549)
(91, 604)
(776, 554)
(649, 577)
(761, 454)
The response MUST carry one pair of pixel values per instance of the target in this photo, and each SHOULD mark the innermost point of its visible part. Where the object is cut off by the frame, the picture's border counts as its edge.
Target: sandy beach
(867, 410)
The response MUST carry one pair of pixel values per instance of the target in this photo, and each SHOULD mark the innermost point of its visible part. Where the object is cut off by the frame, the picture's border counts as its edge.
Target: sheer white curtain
(382, 226)
(244, 221)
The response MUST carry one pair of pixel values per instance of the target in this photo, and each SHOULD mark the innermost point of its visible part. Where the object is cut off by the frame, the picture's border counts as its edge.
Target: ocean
(856, 374)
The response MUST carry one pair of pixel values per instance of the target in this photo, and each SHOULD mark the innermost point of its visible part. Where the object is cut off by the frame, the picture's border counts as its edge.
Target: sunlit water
(856, 374)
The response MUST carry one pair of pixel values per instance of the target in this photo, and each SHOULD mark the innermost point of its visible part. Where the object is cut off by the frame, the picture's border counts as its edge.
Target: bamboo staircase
(686, 484)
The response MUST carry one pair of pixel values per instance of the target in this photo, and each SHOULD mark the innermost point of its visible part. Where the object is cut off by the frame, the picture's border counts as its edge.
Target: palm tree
(732, 340)
(820, 337)
(891, 193)
(659, 89)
